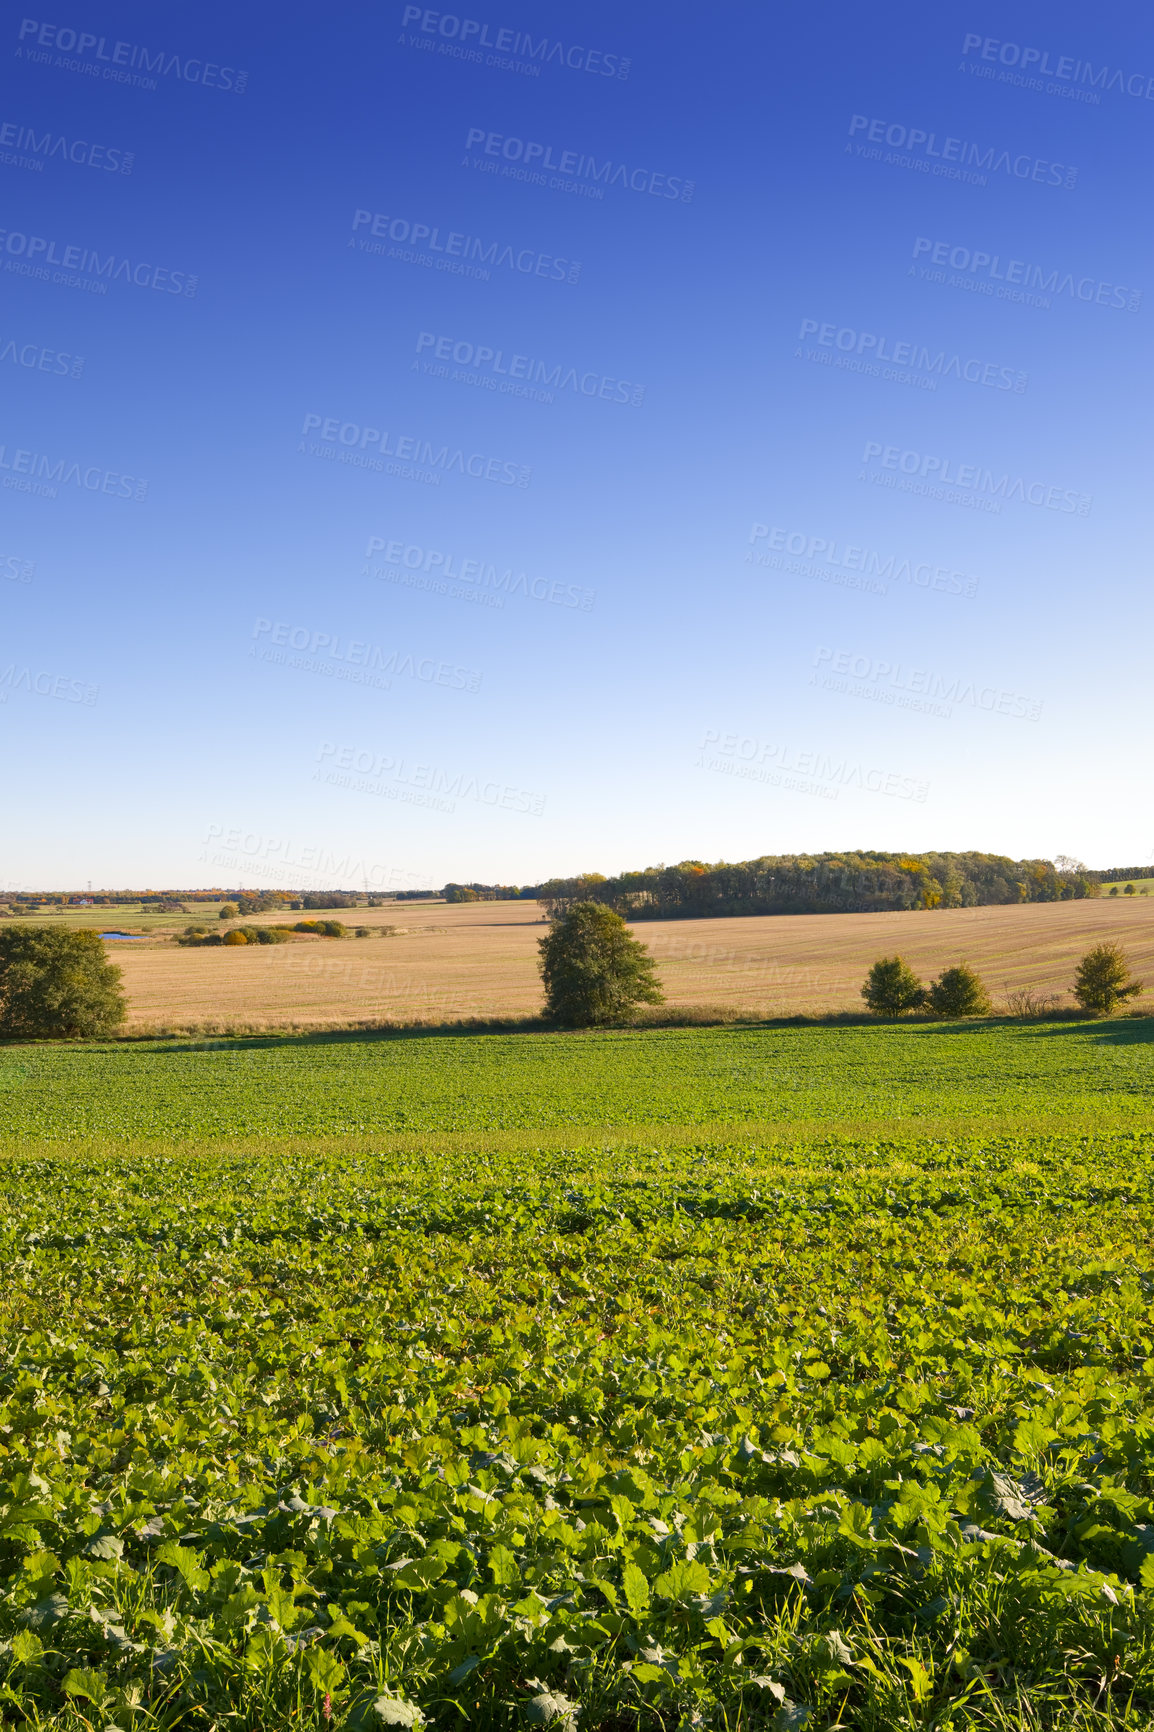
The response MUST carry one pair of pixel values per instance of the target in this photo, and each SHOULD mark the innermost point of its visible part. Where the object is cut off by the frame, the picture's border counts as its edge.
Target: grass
(682, 1378)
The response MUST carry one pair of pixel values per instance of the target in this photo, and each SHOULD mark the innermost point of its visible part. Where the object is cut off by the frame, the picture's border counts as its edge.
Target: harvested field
(479, 960)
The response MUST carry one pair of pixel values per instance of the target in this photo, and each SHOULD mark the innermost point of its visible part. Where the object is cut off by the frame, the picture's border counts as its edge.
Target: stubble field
(479, 960)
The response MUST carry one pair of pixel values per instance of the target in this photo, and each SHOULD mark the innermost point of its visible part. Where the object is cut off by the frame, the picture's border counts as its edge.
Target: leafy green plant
(593, 969)
(596, 1395)
(323, 928)
(892, 988)
(56, 984)
(1103, 980)
(229, 911)
(958, 992)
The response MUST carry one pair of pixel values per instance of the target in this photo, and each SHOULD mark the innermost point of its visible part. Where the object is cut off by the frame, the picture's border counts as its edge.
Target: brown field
(479, 960)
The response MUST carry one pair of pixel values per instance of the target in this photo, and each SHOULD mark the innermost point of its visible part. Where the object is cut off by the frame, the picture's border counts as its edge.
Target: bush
(891, 987)
(1026, 1002)
(329, 899)
(266, 934)
(364, 932)
(57, 985)
(196, 935)
(235, 937)
(594, 969)
(323, 928)
(229, 911)
(1103, 980)
(959, 992)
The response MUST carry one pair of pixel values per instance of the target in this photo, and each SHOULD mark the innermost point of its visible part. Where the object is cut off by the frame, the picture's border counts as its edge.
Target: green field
(127, 917)
(690, 1378)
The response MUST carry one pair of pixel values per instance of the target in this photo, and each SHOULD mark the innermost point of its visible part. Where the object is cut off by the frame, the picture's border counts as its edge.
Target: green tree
(593, 968)
(1129, 890)
(891, 987)
(1103, 980)
(229, 911)
(57, 985)
(959, 992)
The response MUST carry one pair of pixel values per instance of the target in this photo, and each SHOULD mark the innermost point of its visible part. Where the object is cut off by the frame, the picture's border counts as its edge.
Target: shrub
(593, 968)
(1129, 890)
(1026, 1001)
(197, 935)
(56, 984)
(364, 932)
(265, 934)
(959, 992)
(891, 987)
(323, 928)
(235, 937)
(329, 899)
(1113, 890)
(229, 911)
(1103, 980)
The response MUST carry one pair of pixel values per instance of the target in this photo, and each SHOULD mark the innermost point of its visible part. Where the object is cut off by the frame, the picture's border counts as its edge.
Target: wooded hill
(852, 883)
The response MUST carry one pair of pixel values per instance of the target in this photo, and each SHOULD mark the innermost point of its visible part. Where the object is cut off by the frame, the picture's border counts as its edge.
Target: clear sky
(532, 438)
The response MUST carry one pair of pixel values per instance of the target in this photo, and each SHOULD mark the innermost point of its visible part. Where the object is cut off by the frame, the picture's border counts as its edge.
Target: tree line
(864, 882)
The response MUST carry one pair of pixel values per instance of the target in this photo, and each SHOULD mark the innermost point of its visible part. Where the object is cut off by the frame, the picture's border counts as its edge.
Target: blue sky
(529, 438)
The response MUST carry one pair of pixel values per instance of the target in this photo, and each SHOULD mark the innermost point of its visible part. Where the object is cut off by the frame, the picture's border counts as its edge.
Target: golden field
(480, 960)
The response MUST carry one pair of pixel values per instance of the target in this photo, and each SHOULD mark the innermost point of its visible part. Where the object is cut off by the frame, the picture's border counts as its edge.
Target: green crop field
(683, 1379)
